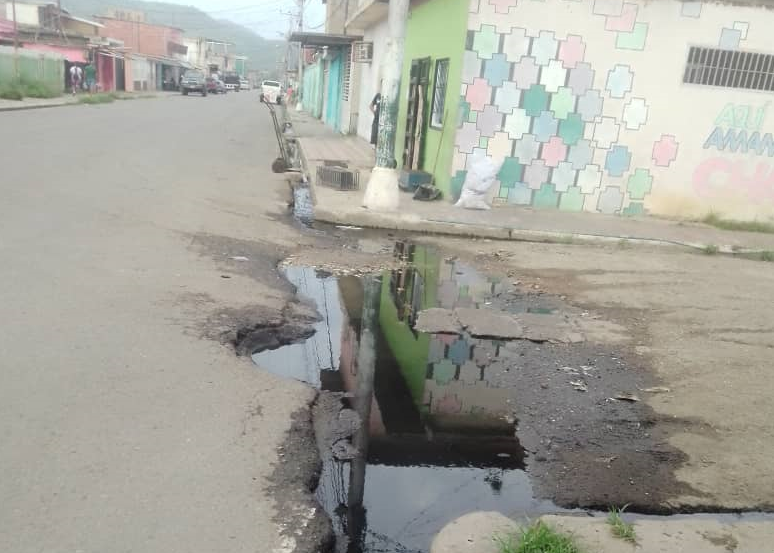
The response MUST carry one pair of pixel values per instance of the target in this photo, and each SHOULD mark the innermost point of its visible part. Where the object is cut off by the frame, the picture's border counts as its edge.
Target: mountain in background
(262, 53)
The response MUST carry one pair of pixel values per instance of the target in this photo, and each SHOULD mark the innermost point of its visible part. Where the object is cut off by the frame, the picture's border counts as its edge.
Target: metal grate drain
(340, 178)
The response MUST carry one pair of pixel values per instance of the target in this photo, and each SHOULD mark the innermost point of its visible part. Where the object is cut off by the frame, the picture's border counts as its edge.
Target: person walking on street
(76, 78)
(90, 74)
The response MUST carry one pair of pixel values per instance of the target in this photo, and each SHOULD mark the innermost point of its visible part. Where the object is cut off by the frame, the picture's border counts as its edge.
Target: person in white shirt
(76, 77)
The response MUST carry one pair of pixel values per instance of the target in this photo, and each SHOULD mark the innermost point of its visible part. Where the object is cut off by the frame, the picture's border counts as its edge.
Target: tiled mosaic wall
(562, 94)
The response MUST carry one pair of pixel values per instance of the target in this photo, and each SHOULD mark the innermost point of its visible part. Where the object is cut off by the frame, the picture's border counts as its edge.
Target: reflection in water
(440, 438)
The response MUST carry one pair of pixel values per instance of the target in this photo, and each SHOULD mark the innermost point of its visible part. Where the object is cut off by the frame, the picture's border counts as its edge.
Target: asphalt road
(121, 427)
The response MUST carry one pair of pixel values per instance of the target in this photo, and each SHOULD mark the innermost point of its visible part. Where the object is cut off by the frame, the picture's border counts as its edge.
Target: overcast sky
(262, 16)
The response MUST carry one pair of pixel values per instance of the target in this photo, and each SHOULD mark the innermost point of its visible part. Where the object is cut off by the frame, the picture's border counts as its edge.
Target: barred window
(729, 69)
(439, 93)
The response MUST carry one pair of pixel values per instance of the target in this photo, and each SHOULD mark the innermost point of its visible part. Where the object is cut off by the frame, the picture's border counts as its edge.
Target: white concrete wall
(369, 77)
(650, 146)
(26, 14)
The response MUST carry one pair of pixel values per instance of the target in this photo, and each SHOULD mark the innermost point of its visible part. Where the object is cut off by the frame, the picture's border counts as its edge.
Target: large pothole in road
(463, 419)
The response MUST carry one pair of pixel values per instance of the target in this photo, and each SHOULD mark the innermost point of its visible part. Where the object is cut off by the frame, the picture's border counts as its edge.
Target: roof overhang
(321, 40)
(369, 13)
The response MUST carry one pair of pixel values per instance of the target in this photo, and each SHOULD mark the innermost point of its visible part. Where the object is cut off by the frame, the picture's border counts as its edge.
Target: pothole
(453, 422)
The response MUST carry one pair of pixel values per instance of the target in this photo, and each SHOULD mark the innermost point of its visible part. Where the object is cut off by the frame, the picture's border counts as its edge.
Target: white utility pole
(300, 72)
(382, 189)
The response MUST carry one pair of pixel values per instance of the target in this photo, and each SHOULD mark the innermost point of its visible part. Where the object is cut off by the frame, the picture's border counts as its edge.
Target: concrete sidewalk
(318, 143)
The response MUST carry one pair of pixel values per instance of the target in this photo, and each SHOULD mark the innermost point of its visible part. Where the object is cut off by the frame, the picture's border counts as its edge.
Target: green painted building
(430, 96)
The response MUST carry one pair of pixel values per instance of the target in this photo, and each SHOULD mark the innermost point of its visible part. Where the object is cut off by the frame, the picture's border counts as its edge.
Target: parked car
(231, 80)
(193, 81)
(215, 86)
(244, 84)
(271, 92)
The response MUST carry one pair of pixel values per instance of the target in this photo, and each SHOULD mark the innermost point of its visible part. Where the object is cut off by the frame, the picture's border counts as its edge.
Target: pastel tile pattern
(463, 112)
(617, 161)
(459, 160)
(507, 97)
(497, 70)
(527, 149)
(619, 81)
(535, 100)
(610, 200)
(581, 154)
(486, 41)
(635, 40)
(525, 73)
(553, 76)
(511, 171)
(536, 174)
(455, 185)
(562, 103)
(563, 176)
(571, 129)
(590, 105)
(546, 197)
(606, 132)
(635, 114)
(589, 179)
(691, 8)
(500, 145)
(581, 78)
(479, 94)
(571, 200)
(467, 137)
(544, 47)
(634, 209)
(743, 27)
(545, 126)
(665, 150)
(520, 194)
(471, 67)
(503, 6)
(730, 38)
(571, 51)
(608, 7)
(639, 184)
(624, 22)
(554, 151)
(516, 44)
(517, 123)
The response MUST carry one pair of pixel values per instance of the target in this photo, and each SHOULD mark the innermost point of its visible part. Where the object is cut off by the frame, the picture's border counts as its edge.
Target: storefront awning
(321, 40)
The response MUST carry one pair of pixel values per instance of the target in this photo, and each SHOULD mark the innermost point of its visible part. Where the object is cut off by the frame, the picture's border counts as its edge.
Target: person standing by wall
(90, 74)
(76, 78)
(375, 108)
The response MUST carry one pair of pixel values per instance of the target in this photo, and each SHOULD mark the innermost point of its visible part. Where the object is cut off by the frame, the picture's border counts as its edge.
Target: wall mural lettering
(721, 176)
(738, 130)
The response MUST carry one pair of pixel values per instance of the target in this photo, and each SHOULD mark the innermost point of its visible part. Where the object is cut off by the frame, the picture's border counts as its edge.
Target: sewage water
(440, 437)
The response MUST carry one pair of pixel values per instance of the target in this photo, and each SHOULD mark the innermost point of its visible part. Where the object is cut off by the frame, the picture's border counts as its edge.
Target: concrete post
(300, 88)
(382, 189)
(364, 395)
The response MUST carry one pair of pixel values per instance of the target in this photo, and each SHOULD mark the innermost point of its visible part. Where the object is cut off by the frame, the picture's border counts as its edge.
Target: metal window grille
(439, 92)
(347, 83)
(729, 69)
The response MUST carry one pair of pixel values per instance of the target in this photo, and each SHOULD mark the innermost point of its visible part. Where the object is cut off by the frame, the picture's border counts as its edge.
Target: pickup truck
(193, 81)
(271, 92)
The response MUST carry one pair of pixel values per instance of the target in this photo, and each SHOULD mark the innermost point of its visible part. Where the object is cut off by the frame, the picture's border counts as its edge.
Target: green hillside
(262, 52)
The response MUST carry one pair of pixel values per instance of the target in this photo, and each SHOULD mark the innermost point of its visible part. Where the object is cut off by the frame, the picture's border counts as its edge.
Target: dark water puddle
(441, 435)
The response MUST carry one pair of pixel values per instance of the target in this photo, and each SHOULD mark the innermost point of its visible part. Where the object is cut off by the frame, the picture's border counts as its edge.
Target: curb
(408, 223)
(42, 106)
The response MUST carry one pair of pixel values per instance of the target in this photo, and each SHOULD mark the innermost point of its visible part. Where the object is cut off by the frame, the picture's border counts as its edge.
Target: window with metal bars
(729, 69)
(439, 93)
(347, 82)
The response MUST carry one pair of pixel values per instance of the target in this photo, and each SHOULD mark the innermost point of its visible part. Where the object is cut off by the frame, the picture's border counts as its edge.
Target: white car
(244, 84)
(271, 92)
